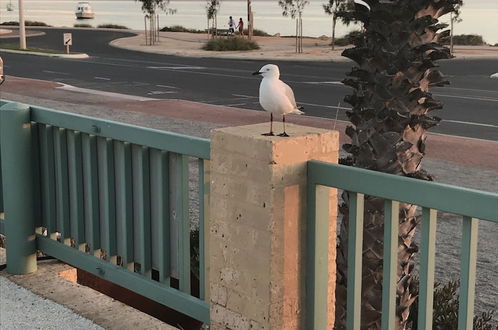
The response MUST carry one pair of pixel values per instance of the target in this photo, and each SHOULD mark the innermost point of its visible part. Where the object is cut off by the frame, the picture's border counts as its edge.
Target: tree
(150, 7)
(292, 8)
(394, 70)
(454, 18)
(337, 8)
(212, 8)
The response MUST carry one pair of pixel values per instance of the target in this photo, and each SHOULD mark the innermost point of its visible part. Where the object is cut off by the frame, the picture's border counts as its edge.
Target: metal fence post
(17, 172)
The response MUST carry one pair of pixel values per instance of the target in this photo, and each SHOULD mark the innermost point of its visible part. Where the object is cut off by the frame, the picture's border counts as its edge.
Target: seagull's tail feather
(298, 111)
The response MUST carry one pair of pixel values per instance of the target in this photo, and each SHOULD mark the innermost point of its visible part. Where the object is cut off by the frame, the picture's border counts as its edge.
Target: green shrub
(82, 25)
(347, 39)
(112, 26)
(11, 23)
(445, 308)
(26, 23)
(467, 39)
(257, 33)
(230, 43)
(179, 28)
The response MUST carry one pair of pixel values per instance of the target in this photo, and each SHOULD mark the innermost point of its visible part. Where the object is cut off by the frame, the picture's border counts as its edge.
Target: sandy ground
(278, 48)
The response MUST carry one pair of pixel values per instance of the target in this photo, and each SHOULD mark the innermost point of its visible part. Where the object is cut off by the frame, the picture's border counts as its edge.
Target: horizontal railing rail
(113, 199)
(470, 204)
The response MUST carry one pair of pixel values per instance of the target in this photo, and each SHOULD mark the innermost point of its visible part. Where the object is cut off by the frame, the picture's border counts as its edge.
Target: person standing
(231, 25)
(240, 27)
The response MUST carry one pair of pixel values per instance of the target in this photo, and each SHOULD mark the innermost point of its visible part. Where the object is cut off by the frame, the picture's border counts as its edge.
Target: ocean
(479, 16)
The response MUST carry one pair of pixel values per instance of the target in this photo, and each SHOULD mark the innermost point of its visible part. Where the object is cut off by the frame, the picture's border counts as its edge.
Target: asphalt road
(470, 103)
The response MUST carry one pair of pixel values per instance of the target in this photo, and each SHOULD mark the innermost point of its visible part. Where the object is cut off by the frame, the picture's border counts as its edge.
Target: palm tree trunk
(334, 21)
(390, 115)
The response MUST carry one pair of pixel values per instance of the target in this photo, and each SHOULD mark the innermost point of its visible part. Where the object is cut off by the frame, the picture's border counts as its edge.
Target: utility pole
(22, 29)
(249, 20)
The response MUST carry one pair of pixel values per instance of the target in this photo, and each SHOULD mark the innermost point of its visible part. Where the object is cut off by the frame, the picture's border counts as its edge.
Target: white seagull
(275, 96)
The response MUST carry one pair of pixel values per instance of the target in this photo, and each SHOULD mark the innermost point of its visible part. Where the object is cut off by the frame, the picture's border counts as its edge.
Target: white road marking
(56, 72)
(465, 89)
(103, 93)
(167, 86)
(494, 76)
(323, 82)
(176, 67)
(139, 83)
(468, 97)
(346, 108)
(245, 96)
(101, 78)
(234, 105)
(161, 92)
(323, 106)
(470, 123)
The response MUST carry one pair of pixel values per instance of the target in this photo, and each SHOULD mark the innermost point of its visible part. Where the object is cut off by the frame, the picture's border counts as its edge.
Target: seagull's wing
(290, 96)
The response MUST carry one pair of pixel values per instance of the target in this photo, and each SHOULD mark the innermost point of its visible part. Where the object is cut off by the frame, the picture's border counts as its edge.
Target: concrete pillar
(257, 231)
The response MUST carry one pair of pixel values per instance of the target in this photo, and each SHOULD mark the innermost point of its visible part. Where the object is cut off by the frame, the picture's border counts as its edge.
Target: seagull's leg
(283, 134)
(271, 126)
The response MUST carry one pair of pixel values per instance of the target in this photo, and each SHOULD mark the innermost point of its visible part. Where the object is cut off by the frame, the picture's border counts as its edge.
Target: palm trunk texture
(390, 102)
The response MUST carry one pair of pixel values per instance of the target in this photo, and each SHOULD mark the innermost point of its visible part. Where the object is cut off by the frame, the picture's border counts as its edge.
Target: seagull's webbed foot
(268, 134)
(283, 134)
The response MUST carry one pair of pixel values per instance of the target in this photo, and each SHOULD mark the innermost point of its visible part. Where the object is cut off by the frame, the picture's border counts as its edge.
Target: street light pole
(22, 29)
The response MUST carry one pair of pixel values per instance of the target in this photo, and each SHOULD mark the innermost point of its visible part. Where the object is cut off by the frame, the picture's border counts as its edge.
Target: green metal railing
(2, 102)
(106, 197)
(471, 204)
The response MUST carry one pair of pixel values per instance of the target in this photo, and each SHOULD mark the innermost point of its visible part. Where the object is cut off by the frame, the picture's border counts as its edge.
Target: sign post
(68, 41)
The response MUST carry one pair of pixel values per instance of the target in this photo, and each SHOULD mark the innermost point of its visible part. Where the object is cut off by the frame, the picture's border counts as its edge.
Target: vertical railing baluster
(355, 249)
(91, 191)
(141, 208)
(427, 263)
(107, 196)
(468, 273)
(180, 221)
(1, 185)
(75, 165)
(185, 225)
(47, 177)
(311, 287)
(35, 149)
(317, 265)
(391, 228)
(124, 202)
(61, 184)
(204, 186)
(160, 224)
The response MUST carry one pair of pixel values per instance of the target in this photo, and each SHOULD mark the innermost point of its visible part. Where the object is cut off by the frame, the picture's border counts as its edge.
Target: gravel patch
(21, 309)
